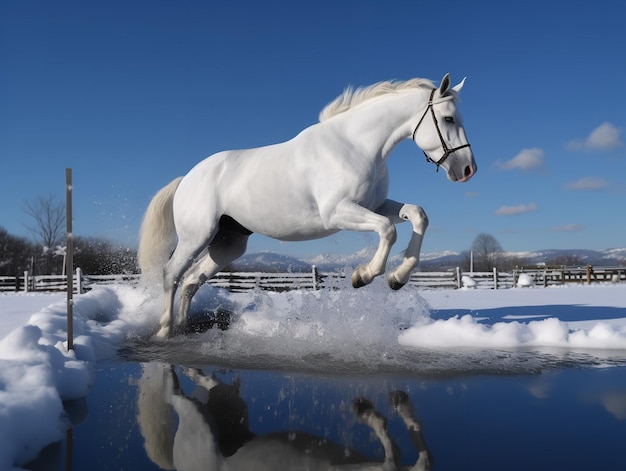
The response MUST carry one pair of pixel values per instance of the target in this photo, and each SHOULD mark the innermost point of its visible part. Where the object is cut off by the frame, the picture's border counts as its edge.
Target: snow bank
(37, 372)
(466, 331)
(556, 305)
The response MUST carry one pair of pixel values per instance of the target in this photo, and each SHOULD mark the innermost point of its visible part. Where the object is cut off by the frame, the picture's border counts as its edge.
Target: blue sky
(131, 94)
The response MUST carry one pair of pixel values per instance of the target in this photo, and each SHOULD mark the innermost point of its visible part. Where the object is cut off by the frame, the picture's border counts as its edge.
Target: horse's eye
(449, 119)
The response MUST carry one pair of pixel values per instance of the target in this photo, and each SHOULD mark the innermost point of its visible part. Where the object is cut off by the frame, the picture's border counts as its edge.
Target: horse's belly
(286, 227)
(303, 235)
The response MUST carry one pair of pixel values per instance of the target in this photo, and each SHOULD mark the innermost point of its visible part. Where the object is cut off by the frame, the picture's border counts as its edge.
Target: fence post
(69, 259)
(26, 281)
(458, 278)
(495, 278)
(589, 271)
(79, 281)
(314, 270)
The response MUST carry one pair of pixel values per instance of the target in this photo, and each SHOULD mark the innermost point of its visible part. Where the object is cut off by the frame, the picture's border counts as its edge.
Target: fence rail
(559, 275)
(243, 281)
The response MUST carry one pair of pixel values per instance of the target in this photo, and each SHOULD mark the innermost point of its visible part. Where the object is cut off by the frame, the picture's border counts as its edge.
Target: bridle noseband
(446, 151)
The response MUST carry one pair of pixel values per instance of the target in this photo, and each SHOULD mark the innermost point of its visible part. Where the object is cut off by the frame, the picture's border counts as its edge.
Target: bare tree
(49, 220)
(486, 250)
(47, 229)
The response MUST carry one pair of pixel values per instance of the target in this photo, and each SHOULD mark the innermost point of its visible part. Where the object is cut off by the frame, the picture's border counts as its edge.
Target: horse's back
(263, 189)
(286, 191)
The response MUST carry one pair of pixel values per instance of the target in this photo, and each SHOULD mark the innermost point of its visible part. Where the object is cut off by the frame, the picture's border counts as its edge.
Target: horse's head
(440, 133)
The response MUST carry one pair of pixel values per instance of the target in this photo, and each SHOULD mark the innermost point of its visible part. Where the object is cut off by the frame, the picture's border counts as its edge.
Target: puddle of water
(560, 419)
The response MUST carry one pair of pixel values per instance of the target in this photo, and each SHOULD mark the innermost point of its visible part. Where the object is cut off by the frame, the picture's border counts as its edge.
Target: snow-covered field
(372, 325)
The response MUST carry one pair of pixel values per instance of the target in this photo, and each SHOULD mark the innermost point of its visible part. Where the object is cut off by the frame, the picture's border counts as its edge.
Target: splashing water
(350, 329)
(340, 330)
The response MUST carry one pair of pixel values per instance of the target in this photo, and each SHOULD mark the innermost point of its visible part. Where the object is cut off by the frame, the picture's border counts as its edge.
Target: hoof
(362, 406)
(357, 281)
(394, 284)
(163, 333)
(398, 399)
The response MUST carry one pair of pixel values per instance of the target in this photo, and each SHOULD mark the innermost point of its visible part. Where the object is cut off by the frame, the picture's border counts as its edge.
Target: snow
(468, 282)
(525, 281)
(465, 331)
(37, 373)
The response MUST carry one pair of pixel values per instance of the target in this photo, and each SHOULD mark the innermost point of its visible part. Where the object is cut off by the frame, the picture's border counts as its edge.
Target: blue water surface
(570, 418)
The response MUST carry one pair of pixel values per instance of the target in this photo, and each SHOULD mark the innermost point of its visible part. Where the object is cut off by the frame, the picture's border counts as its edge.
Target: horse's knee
(390, 234)
(415, 214)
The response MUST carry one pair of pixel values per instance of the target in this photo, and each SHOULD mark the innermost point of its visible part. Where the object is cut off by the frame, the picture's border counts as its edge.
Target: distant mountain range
(273, 262)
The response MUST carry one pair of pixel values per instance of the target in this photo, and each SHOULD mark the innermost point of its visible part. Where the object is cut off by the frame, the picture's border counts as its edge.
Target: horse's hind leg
(200, 379)
(224, 248)
(172, 273)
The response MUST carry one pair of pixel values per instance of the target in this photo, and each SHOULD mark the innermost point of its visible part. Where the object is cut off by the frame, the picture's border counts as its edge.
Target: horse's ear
(445, 85)
(457, 88)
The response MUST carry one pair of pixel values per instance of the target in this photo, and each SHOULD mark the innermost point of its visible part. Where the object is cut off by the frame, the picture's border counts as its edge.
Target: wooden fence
(545, 275)
(243, 281)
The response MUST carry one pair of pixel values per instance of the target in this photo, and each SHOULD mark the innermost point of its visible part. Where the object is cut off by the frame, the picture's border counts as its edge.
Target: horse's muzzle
(468, 172)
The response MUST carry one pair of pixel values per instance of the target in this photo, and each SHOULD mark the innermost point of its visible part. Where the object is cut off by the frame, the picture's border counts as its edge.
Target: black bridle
(446, 151)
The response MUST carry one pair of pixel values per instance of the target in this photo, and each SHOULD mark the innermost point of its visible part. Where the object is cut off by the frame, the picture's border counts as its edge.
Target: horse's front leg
(365, 413)
(400, 212)
(402, 404)
(350, 216)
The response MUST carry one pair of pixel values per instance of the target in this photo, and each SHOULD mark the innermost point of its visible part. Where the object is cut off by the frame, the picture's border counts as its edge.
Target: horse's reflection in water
(212, 430)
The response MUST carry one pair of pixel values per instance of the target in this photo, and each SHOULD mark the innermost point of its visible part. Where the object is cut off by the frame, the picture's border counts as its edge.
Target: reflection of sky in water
(567, 419)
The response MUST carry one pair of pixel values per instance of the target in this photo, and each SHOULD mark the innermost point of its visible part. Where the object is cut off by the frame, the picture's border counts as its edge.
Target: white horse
(212, 430)
(332, 176)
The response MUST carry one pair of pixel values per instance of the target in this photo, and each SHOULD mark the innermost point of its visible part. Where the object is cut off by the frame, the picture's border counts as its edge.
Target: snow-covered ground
(37, 373)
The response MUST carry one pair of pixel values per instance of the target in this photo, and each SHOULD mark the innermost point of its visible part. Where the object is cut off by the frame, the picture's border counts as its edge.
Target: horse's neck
(381, 123)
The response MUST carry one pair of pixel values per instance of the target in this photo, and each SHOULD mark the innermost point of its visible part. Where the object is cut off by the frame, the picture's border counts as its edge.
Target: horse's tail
(154, 413)
(157, 234)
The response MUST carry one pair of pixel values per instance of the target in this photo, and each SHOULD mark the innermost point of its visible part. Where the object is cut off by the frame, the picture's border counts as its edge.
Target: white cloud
(527, 159)
(568, 228)
(604, 137)
(515, 210)
(588, 183)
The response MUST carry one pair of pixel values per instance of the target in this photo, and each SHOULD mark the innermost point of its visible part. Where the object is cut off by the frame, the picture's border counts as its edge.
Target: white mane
(352, 97)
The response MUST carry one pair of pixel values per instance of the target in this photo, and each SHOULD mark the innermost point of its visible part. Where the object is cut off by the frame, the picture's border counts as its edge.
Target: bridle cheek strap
(446, 151)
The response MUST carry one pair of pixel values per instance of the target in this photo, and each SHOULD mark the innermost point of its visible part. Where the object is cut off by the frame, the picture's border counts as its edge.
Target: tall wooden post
(69, 259)
(314, 273)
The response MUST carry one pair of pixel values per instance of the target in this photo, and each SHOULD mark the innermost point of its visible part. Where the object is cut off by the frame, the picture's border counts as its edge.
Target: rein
(446, 151)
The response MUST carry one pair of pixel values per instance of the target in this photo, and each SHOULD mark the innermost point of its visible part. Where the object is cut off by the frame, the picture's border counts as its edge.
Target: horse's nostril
(468, 171)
